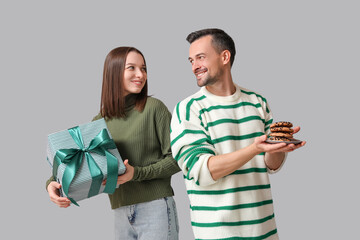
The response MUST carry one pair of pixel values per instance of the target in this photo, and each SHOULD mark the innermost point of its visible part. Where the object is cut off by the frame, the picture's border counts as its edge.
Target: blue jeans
(147, 221)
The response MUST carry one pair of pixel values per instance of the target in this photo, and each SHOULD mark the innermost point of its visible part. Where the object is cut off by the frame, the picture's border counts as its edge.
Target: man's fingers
(263, 138)
(296, 129)
(288, 148)
(275, 147)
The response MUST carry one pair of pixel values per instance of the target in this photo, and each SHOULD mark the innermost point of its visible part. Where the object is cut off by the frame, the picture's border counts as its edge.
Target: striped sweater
(237, 206)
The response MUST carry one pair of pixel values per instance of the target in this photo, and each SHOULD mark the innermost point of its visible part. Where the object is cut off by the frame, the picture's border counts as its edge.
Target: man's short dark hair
(220, 40)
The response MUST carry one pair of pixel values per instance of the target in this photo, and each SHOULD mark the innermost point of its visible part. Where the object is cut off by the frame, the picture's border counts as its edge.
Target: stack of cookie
(281, 131)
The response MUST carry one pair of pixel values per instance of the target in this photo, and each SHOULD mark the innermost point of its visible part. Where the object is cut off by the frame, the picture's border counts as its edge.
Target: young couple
(217, 140)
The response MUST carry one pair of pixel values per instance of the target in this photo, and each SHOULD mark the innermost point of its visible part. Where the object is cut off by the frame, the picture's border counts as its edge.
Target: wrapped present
(82, 157)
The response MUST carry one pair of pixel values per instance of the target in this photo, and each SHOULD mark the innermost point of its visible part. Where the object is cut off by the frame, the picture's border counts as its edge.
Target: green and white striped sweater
(240, 205)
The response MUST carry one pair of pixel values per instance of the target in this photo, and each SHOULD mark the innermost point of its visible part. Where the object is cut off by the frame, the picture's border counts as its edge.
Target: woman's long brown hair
(113, 95)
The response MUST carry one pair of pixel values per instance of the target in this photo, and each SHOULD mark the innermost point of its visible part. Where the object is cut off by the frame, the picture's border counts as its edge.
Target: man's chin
(201, 82)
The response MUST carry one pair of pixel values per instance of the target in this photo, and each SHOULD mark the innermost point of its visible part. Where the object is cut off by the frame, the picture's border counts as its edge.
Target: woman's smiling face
(135, 75)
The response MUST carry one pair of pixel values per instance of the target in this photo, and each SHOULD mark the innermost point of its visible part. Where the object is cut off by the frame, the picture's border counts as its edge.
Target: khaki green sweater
(144, 139)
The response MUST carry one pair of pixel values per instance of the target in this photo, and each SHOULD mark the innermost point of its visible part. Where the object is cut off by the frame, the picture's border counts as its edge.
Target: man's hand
(275, 153)
(263, 146)
(53, 190)
(224, 164)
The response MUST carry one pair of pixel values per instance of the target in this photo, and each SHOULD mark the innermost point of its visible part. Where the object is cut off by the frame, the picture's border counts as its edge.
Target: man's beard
(209, 80)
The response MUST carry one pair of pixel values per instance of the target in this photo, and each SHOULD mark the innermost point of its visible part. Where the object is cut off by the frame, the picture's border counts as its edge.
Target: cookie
(282, 139)
(281, 134)
(281, 124)
(282, 129)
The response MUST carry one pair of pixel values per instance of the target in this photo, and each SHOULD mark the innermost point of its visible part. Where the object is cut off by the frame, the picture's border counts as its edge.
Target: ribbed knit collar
(223, 99)
(130, 101)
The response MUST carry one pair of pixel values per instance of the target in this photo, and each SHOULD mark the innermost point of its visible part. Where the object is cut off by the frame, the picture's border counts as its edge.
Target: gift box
(82, 157)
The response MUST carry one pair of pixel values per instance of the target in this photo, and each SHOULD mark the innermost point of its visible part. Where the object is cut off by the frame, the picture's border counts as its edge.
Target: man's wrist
(274, 160)
(254, 150)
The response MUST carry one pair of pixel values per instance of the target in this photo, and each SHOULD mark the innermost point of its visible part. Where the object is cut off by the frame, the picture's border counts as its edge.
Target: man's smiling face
(205, 61)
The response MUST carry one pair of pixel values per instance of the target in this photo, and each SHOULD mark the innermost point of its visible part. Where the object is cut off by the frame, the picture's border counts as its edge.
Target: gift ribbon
(73, 158)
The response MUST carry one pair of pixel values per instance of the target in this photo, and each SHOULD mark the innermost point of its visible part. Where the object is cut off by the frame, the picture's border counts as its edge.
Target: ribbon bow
(73, 158)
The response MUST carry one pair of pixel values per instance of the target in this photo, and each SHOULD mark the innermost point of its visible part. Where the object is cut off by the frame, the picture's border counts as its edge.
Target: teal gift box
(82, 157)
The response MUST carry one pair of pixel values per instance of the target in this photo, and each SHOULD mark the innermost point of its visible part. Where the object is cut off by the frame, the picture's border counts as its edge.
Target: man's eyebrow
(197, 55)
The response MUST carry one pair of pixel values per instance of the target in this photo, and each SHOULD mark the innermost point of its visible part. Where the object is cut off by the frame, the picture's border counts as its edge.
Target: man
(218, 138)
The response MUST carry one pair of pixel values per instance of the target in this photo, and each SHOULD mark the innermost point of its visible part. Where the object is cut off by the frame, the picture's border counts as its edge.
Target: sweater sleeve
(268, 122)
(191, 144)
(267, 114)
(166, 166)
(51, 179)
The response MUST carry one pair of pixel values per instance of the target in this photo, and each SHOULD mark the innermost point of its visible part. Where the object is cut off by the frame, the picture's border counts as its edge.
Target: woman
(143, 204)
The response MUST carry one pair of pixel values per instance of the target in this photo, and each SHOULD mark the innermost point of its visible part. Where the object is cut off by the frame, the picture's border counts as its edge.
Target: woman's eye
(130, 67)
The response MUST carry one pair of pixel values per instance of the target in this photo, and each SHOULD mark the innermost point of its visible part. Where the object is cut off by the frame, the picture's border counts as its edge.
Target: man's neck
(223, 87)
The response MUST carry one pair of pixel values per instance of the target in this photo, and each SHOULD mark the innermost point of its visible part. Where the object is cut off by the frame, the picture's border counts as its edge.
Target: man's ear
(225, 56)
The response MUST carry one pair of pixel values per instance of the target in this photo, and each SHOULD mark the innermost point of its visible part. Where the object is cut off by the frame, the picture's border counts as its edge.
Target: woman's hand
(127, 176)
(53, 190)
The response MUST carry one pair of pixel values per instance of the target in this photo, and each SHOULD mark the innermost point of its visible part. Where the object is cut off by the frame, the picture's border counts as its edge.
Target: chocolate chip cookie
(281, 132)
(281, 124)
(283, 139)
(282, 129)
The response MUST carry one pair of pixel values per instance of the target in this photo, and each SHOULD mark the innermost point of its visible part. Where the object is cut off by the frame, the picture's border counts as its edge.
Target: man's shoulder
(194, 97)
(189, 104)
(251, 94)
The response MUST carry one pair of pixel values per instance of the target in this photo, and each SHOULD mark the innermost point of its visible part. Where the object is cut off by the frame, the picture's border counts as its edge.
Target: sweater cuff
(51, 179)
(271, 171)
(136, 174)
(204, 177)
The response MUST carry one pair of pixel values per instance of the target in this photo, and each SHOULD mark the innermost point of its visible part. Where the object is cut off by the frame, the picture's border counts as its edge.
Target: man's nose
(195, 66)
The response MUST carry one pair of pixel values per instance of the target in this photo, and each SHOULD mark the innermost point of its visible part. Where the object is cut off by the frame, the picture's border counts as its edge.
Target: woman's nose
(139, 73)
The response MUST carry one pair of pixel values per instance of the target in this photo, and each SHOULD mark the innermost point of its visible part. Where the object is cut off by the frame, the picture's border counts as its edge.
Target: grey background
(303, 56)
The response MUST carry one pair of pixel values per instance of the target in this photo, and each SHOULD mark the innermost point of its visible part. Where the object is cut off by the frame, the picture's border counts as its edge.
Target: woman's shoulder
(156, 107)
(155, 103)
(97, 117)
